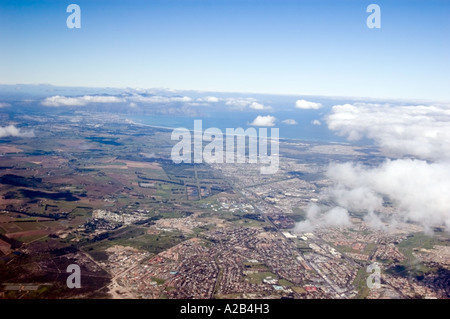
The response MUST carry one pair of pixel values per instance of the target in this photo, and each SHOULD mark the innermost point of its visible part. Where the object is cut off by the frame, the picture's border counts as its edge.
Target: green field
(257, 278)
(30, 225)
(28, 239)
(134, 237)
(159, 281)
(82, 211)
(411, 266)
(286, 283)
(360, 283)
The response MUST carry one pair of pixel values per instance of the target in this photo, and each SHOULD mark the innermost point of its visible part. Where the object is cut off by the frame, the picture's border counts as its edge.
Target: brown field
(28, 233)
(12, 201)
(6, 219)
(107, 167)
(107, 160)
(9, 149)
(148, 165)
(10, 227)
(5, 248)
(127, 164)
(28, 226)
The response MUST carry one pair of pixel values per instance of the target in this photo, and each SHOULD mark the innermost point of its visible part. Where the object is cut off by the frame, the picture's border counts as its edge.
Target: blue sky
(280, 47)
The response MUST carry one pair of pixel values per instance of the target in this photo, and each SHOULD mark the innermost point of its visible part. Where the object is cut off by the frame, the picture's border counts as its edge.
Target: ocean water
(304, 130)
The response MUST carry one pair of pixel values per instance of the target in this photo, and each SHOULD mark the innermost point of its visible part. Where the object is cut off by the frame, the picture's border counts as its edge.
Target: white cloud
(290, 122)
(337, 217)
(197, 104)
(321, 216)
(140, 97)
(418, 189)
(58, 100)
(422, 131)
(102, 99)
(259, 106)
(180, 99)
(307, 105)
(209, 99)
(267, 120)
(375, 222)
(11, 130)
(63, 101)
(316, 122)
(149, 99)
(359, 198)
(156, 99)
(240, 102)
(2, 104)
(136, 98)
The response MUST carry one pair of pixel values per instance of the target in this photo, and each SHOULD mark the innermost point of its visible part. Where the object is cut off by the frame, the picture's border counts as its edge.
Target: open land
(103, 193)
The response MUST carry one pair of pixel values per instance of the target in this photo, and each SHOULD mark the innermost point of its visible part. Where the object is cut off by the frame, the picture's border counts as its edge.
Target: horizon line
(200, 91)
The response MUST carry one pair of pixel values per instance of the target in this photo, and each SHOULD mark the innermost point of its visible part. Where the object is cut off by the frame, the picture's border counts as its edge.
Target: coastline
(281, 139)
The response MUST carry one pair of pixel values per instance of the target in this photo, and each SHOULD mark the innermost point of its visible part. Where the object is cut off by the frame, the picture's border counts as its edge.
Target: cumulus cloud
(58, 100)
(158, 99)
(417, 189)
(398, 190)
(134, 99)
(337, 217)
(316, 122)
(180, 99)
(2, 104)
(63, 101)
(307, 105)
(375, 222)
(290, 122)
(259, 106)
(421, 131)
(12, 130)
(267, 120)
(198, 104)
(321, 216)
(137, 97)
(240, 102)
(209, 99)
